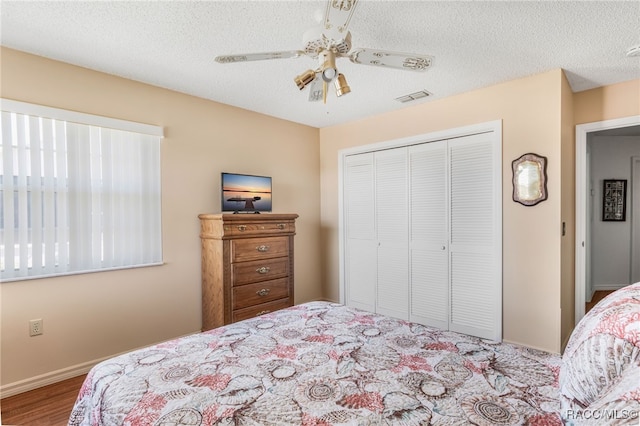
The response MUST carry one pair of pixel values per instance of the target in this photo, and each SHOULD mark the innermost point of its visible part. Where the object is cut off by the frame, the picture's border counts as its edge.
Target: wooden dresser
(247, 265)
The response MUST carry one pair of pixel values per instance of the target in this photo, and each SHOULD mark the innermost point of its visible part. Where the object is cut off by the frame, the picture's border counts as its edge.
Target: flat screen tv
(245, 193)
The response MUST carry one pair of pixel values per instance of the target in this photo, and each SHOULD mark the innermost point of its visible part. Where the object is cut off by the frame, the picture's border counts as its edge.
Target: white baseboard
(511, 342)
(608, 287)
(11, 389)
(35, 382)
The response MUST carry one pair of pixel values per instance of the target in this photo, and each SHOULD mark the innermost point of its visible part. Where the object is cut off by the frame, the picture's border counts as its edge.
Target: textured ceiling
(172, 44)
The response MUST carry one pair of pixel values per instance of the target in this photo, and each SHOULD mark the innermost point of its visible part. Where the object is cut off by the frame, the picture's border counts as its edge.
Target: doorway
(587, 202)
(635, 223)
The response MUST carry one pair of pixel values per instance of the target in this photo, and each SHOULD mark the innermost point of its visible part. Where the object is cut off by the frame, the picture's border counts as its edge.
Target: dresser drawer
(259, 248)
(258, 228)
(254, 294)
(261, 309)
(259, 270)
(247, 265)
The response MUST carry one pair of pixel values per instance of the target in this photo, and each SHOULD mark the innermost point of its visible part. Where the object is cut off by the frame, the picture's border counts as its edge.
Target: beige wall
(608, 102)
(531, 112)
(91, 316)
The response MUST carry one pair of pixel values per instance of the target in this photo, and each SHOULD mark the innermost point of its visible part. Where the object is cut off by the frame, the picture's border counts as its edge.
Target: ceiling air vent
(633, 52)
(413, 96)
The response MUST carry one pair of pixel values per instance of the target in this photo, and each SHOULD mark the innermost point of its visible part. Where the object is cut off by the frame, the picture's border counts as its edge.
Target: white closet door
(429, 234)
(475, 239)
(361, 244)
(392, 295)
(423, 232)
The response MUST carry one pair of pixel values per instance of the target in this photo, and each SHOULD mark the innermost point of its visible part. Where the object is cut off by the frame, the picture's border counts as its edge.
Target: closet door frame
(487, 127)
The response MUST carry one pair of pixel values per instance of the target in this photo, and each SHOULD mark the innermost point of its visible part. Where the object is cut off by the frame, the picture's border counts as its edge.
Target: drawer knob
(263, 292)
(263, 270)
(280, 226)
(242, 228)
(262, 313)
(262, 248)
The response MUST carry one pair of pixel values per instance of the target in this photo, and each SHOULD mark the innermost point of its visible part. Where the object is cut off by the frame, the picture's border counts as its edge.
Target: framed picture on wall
(614, 200)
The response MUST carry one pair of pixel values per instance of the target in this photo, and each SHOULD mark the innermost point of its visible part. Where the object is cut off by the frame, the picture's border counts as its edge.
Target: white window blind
(79, 193)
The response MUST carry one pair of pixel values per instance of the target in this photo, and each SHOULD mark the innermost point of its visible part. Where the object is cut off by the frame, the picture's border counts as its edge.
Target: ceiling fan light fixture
(342, 87)
(328, 65)
(305, 78)
(328, 74)
(331, 40)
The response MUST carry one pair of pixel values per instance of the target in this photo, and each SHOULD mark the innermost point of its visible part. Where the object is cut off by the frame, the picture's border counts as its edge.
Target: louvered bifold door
(475, 238)
(392, 295)
(360, 244)
(429, 238)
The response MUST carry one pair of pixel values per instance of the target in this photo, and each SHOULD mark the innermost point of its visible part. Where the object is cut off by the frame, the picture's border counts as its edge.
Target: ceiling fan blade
(397, 60)
(227, 59)
(338, 14)
(316, 90)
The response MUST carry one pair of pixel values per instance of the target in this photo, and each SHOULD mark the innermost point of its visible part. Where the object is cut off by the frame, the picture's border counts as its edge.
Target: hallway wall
(611, 241)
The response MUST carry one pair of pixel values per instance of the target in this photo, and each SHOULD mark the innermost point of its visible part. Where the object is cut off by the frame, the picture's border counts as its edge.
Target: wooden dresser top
(243, 225)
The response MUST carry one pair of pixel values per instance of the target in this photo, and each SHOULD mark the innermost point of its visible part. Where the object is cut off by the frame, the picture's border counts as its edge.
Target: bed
(323, 364)
(600, 374)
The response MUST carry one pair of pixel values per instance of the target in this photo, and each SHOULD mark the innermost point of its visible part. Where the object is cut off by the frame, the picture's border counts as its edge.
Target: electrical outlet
(35, 327)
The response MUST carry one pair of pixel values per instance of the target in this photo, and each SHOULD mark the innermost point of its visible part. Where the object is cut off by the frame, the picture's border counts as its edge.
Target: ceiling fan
(326, 43)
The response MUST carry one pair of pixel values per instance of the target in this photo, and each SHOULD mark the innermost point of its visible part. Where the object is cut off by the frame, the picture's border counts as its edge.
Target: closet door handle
(262, 249)
(444, 247)
(263, 292)
(263, 270)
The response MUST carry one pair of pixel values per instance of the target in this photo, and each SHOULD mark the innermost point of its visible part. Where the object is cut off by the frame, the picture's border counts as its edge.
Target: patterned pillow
(600, 373)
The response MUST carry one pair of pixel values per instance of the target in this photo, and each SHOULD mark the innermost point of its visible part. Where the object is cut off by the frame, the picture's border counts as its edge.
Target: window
(79, 193)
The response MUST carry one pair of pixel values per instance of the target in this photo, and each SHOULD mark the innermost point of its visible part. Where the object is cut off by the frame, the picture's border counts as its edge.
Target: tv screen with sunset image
(245, 193)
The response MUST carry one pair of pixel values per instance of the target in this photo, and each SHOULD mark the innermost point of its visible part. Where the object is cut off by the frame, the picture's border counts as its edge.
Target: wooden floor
(597, 296)
(46, 406)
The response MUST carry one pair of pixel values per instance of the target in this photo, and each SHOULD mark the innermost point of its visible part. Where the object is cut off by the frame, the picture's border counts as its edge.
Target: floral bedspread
(323, 364)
